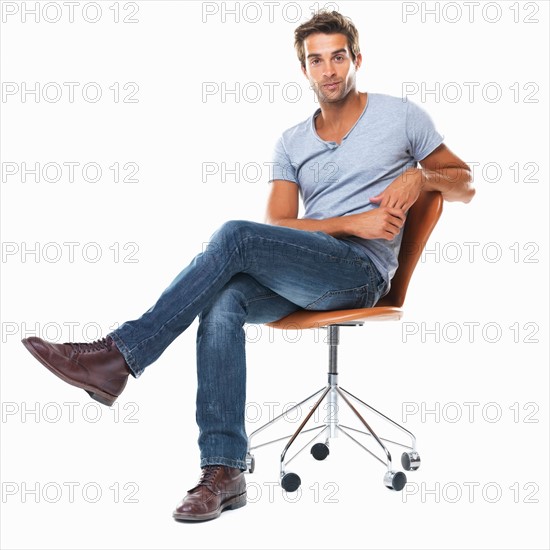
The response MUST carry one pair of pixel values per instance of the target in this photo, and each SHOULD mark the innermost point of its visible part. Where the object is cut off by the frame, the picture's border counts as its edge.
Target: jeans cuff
(127, 354)
(217, 460)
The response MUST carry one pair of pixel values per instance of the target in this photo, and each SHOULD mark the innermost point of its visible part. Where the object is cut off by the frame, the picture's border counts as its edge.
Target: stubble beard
(347, 87)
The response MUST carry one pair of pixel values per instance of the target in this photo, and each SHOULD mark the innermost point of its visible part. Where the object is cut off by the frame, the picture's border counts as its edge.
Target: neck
(336, 114)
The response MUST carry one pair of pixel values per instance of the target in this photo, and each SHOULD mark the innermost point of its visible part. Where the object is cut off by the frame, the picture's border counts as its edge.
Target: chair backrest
(421, 219)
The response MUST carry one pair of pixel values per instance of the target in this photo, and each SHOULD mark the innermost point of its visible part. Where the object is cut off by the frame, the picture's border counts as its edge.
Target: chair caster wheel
(320, 451)
(250, 463)
(410, 461)
(290, 482)
(395, 480)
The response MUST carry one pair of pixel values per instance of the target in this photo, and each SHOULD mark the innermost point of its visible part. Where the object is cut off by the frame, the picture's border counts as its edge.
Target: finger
(401, 203)
(397, 213)
(393, 225)
(389, 235)
(397, 224)
(407, 204)
(398, 202)
(390, 201)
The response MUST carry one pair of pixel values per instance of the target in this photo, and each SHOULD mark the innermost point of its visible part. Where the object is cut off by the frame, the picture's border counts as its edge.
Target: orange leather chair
(421, 219)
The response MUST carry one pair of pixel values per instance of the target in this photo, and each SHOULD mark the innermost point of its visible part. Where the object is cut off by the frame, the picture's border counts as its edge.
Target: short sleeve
(421, 132)
(281, 167)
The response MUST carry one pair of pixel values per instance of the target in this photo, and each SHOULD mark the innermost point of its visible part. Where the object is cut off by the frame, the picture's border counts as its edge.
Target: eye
(314, 61)
(339, 58)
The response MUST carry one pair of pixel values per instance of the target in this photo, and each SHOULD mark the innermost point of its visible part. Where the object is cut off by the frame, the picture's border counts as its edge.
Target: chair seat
(303, 318)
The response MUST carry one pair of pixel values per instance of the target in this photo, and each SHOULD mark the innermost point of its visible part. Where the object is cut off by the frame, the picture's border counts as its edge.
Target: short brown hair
(327, 23)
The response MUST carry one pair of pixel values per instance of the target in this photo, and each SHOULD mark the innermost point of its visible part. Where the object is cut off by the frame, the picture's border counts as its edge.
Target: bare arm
(441, 171)
(282, 209)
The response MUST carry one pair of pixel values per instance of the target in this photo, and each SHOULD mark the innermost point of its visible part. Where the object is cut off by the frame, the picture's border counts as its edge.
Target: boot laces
(208, 475)
(98, 345)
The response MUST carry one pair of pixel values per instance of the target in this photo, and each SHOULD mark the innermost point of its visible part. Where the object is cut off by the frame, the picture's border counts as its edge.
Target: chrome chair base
(332, 393)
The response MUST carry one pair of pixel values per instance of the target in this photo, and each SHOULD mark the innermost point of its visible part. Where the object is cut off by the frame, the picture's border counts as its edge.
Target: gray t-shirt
(389, 137)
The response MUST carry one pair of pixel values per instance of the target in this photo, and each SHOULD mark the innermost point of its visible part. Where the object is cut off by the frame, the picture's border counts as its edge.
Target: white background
(453, 501)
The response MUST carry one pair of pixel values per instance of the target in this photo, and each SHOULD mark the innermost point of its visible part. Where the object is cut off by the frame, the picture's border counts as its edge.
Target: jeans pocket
(349, 298)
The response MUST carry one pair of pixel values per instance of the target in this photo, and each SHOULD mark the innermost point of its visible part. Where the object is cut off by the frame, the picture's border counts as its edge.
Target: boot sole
(232, 504)
(99, 395)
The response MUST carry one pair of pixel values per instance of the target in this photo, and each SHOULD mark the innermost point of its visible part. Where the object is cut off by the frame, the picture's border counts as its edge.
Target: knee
(236, 230)
(227, 306)
(222, 320)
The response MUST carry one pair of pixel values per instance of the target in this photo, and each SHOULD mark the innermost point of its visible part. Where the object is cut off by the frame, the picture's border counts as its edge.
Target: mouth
(331, 86)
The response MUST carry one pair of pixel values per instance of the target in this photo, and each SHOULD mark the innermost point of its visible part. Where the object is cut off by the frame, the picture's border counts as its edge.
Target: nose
(329, 71)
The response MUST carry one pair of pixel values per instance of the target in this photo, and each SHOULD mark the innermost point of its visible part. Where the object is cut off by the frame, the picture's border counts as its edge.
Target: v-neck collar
(334, 144)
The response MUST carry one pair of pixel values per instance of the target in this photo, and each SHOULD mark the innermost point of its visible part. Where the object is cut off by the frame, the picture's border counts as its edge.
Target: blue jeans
(248, 273)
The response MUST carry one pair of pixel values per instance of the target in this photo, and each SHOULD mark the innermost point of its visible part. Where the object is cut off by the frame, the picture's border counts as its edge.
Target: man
(354, 163)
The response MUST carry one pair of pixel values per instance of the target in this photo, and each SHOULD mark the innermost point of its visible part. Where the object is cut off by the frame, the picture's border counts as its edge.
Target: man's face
(329, 66)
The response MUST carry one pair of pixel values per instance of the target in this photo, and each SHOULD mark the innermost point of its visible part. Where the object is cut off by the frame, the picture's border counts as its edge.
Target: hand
(380, 223)
(402, 192)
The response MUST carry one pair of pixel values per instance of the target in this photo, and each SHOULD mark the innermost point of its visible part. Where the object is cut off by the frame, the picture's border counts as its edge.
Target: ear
(303, 70)
(358, 61)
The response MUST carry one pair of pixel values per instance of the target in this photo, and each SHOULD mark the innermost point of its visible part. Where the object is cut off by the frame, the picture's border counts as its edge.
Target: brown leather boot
(98, 367)
(220, 488)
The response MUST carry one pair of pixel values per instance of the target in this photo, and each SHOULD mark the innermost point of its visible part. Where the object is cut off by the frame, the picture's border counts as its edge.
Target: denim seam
(364, 290)
(358, 289)
(182, 311)
(340, 260)
(262, 297)
(224, 461)
(128, 356)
